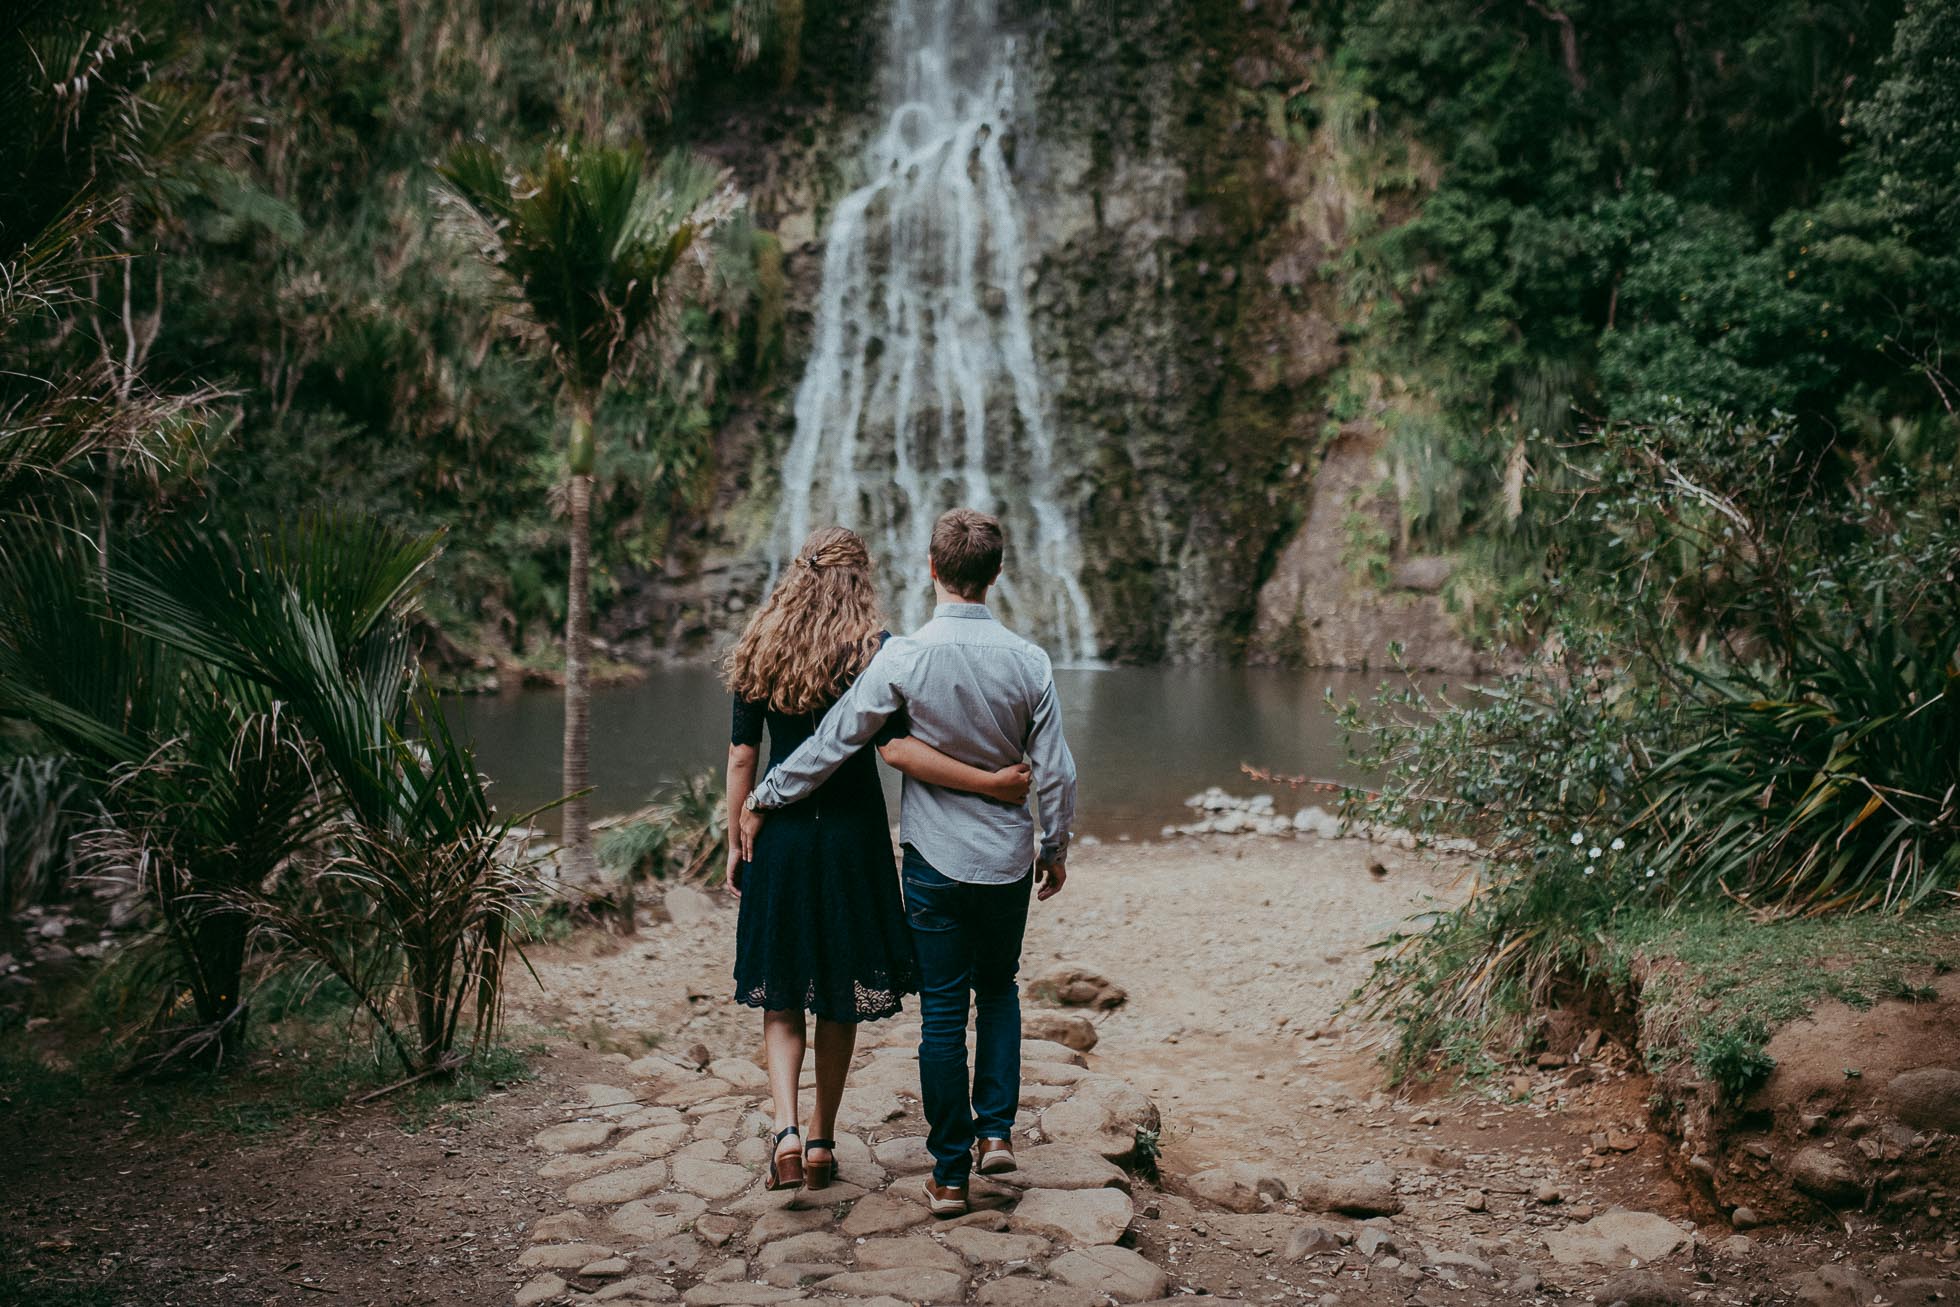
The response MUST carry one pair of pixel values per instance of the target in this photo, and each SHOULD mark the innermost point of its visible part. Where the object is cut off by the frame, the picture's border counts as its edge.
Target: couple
(822, 926)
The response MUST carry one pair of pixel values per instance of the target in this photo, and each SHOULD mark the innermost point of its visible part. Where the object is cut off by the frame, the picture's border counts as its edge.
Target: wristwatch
(748, 804)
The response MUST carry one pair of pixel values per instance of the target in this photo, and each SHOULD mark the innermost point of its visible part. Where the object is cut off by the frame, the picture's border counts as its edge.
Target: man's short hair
(966, 550)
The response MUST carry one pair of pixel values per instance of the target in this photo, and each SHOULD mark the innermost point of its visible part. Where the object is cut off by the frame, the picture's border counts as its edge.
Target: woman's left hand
(732, 878)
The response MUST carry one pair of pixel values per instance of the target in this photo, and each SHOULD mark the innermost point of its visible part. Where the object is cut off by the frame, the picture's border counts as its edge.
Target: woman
(822, 927)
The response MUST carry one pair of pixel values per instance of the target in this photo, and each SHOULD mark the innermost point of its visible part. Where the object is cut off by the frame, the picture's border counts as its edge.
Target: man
(978, 692)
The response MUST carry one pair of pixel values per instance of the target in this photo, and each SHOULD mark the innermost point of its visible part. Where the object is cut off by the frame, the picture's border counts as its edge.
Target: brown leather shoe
(945, 1200)
(993, 1157)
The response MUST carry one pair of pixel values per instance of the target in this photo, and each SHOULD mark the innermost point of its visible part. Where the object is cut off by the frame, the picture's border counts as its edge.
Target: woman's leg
(782, 1039)
(836, 1041)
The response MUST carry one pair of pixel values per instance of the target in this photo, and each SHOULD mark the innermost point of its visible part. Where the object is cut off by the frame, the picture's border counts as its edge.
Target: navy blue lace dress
(822, 926)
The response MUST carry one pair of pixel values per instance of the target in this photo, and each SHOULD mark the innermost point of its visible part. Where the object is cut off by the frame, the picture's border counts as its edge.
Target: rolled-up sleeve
(852, 722)
(1054, 773)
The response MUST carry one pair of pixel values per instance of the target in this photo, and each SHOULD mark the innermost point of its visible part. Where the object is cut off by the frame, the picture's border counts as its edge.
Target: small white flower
(1651, 873)
(1589, 871)
(1618, 844)
(1578, 837)
(1594, 851)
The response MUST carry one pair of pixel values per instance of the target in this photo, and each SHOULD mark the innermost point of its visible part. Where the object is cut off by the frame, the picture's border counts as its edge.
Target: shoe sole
(945, 1206)
(997, 1165)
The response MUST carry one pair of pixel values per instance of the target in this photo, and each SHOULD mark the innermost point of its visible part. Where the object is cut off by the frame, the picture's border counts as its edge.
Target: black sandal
(786, 1169)
(818, 1175)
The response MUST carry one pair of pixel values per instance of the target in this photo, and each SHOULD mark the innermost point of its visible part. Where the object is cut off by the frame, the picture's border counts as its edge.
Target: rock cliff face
(1183, 205)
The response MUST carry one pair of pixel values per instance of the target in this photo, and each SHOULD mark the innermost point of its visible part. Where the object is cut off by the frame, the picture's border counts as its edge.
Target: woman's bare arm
(922, 762)
(741, 779)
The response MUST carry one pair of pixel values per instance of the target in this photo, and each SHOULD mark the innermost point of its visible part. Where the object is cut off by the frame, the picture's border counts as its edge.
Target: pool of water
(1144, 738)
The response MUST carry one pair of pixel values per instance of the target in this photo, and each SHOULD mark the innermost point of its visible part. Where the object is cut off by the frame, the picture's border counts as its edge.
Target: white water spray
(921, 391)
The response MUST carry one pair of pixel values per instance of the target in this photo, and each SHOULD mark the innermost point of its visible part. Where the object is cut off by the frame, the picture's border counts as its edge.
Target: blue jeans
(967, 939)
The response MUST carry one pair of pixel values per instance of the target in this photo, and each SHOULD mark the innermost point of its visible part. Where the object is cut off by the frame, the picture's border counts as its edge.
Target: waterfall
(922, 391)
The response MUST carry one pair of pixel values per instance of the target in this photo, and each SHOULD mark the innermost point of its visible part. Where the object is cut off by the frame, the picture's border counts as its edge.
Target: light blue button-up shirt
(977, 692)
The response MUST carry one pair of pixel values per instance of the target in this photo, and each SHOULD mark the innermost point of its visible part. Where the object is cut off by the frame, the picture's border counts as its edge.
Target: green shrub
(1734, 1058)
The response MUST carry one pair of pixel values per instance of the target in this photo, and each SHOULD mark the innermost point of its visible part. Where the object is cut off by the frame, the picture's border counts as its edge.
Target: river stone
(1042, 1050)
(607, 1095)
(561, 1256)
(733, 1295)
(915, 1252)
(810, 1246)
(905, 1155)
(670, 1254)
(988, 1246)
(605, 1268)
(1309, 1241)
(1639, 1289)
(712, 1150)
(1079, 1218)
(716, 1230)
(1076, 987)
(1238, 1186)
(710, 1179)
(1833, 1286)
(1034, 1096)
(883, 1214)
(642, 1117)
(799, 1275)
(785, 1222)
(1070, 1029)
(653, 1218)
(690, 1093)
(1826, 1176)
(1026, 1291)
(739, 1072)
(866, 1109)
(1051, 1073)
(910, 1284)
(1065, 1166)
(1928, 1098)
(637, 1288)
(618, 1186)
(541, 1290)
(1615, 1238)
(1369, 1191)
(573, 1136)
(577, 1166)
(1111, 1272)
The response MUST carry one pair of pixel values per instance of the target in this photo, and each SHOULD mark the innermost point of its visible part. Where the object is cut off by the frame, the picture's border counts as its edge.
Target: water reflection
(1144, 738)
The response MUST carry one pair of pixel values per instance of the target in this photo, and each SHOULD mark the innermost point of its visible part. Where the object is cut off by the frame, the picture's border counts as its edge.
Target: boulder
(1928, 1098)
(1238, 1186)
(1615, 1238)
(1111, 1272)
(1369, 1191)
(1077, 1218)
(1070, 1029)
(1070, 986)
(1827, 1176)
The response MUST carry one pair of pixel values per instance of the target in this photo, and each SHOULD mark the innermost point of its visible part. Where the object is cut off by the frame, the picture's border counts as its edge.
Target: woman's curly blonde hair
(816, 631)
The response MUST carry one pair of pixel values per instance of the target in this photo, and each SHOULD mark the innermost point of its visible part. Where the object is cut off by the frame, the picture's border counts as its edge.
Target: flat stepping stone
(1076, 1218)
(647, 1219)
(739, 1072)
(638, 1288)
(810, 1246)
(713, 1150)
(671, 1254)
(1051, 1073)
(715, 1106)
(906, 1155)
(573, 1136)
(642, 1117)
(783, 1222)
(1111, 1272)
(716, 1230)
(1026, 1291)
(711, 1179)
(913, 1253)
(884, 1214)
(605, 1268)
(608, 1096)
(987, 1247)
(730, 1295)
(577, 1166)
(752, 1151)
(1046, 1050)
(865, 1108)
(838, 1191)
(655, 1140)
(1065, 1166)
(541, 1290)
(1036, 1097)
(561, 1256)
(689, 1092)
(563, 1226)
(913, 1284)
(799, 1275)
(618, 1186)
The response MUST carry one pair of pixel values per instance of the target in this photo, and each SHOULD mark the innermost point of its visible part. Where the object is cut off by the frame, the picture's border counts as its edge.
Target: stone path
(661, 1175)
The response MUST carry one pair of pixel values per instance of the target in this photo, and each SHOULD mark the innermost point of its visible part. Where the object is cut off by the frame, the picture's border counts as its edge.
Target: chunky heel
(786, 1169)
(818, 1175)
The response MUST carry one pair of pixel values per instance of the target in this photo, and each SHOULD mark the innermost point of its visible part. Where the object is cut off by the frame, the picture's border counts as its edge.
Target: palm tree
(589, 244)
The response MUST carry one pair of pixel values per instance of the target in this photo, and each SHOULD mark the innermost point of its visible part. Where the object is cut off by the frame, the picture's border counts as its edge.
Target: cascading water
(922, 391)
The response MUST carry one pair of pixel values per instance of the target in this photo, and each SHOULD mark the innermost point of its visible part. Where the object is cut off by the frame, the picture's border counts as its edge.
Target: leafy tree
(588, 244)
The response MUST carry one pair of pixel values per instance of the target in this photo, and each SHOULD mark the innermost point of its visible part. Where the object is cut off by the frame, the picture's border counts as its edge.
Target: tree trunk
(582, 863)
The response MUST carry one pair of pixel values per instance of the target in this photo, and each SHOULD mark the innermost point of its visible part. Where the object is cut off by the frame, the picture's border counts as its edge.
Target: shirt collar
(978, 611)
